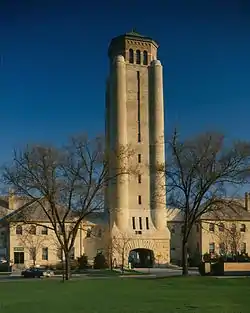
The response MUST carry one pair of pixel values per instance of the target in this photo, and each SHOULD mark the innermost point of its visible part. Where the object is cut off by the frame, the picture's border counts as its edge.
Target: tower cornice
(133, 36)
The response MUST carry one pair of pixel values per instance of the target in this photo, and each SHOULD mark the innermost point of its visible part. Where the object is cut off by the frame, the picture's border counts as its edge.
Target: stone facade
(135, 118)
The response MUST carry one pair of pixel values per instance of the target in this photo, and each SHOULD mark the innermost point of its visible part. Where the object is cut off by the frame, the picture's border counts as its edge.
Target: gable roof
(32, 211)
(228, 211)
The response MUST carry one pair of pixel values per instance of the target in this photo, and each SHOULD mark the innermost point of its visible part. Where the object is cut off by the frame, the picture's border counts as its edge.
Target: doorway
(18, 257)
(141, 258)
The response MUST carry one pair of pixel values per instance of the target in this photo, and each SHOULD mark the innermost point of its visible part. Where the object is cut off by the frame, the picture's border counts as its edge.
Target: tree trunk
(67, 266)
(184, 258)
(111, 259)
(122, 262)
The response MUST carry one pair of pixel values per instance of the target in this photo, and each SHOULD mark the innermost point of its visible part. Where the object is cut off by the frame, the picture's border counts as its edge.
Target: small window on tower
(139, 199)
(139, 158)
(140, 222)
(139, 179)
(138, 57)
(131, 56)
(147, 223)
(133, 222)
(145, 58)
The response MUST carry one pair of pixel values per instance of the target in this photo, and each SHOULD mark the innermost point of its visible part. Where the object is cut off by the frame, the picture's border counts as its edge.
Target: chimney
(15, 201)
(247, 201)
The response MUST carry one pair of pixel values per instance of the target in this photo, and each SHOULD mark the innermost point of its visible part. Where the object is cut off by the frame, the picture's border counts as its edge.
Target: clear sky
(54, 65)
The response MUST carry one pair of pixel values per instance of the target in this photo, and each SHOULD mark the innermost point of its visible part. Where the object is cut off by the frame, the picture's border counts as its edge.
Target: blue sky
(54, 65)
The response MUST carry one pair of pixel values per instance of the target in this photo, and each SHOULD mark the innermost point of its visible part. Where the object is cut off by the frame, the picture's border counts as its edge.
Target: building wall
(216, 236)
(24, 243)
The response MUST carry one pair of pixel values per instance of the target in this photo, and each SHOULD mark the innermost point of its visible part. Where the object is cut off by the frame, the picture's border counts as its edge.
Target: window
(44, 230)
(139, 199)
(145, 58)
(139, 158)
(131, 56)
(197, 247)
(60, 254)
(243, 228)
(197, 228)
(138, 57)
(139, 105)
(88, 234)
(243, 247)
(173, 230)
(211, 227)
(140, 222)
(133, 222)
(45, 254)
(60, 229)
(147, 223)
(72, 253)
(138, 232)
(182, 229)
(221, 227)
(99, 233)
(233, 228)
(233, 247)
(32, 230)
(19, 230)
(211, 247)
(222, 248)
(32, 253)
(139, 179)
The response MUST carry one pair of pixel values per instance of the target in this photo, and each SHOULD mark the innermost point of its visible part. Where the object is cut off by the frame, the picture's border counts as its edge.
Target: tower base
(151, 250)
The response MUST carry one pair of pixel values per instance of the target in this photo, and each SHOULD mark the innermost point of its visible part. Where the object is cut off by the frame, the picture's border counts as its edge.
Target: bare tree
(230, 238)
(68, 182)
(118, 247)
(198, 173)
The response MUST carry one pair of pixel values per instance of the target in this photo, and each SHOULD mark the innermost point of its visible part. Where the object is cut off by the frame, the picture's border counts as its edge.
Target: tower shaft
(157, 145)
(119, 142)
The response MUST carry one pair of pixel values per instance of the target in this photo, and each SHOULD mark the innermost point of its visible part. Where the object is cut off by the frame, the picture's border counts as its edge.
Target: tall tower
(135, 119)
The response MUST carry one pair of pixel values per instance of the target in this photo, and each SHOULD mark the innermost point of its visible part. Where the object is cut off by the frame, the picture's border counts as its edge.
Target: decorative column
(157, 145)
(119, 143)
(107, 142)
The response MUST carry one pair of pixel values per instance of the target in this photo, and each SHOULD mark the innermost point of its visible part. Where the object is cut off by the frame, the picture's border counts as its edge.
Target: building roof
(119, 40)
(230, 210)
(32, 211)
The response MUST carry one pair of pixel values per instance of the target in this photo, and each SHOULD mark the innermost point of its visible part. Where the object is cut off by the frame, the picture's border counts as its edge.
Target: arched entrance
(141, 258)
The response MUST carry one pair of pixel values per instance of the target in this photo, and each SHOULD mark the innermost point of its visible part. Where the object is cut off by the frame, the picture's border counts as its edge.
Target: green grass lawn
(191, 294)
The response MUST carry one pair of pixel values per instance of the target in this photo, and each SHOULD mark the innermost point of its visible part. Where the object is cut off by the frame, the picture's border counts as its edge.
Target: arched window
(32, 230)
(145, 58)
(211, 227)
(233, 228)
(243, 228)
(138, 57)
(131, 56)
(88, 234)
(19, 230)
(221, 227)
(99, 233)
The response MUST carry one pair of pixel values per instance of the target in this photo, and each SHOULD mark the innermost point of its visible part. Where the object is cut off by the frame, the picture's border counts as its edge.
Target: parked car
(37, 272)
